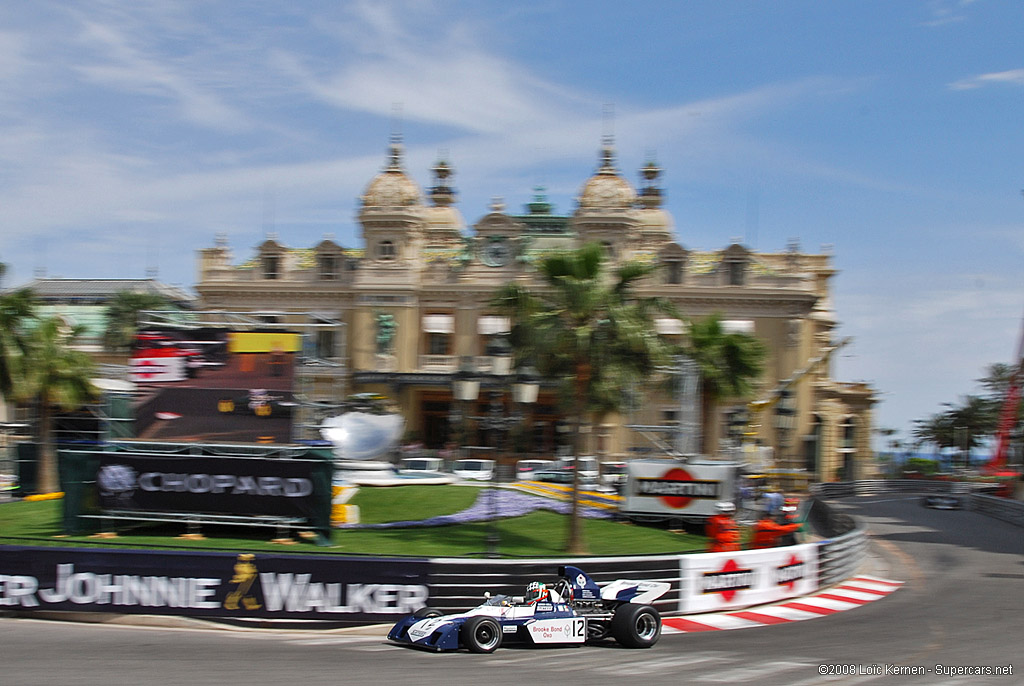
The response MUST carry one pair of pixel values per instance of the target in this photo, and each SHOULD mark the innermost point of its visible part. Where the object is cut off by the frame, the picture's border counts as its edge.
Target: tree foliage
(729, 362)
(122, 316)
(16, 310)
(56, 377)
(588, 331)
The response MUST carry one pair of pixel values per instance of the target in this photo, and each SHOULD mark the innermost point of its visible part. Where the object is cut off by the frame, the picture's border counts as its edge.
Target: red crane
(1008, 416)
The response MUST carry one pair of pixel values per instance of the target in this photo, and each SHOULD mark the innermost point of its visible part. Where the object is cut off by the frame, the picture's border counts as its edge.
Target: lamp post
(785, 422)
(524, 386)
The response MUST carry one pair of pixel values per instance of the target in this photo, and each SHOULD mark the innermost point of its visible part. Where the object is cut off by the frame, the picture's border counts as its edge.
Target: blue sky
(132, 132)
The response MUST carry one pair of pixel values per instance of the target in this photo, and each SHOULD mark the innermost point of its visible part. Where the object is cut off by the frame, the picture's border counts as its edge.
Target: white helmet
(725, 507)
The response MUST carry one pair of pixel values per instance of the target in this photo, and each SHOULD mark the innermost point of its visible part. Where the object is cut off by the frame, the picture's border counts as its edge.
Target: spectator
(767, 532)
(772, 501)
(721, 529)
(790, 515)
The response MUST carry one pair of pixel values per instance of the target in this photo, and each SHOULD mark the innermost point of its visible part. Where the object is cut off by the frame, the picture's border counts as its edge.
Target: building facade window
(737, 273)
(386, 250)
(674, 272)
(327, 267)
(325, 341)
(271, 264)
(438, 343)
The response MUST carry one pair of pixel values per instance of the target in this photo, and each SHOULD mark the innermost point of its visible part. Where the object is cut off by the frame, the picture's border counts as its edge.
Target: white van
(474, 469)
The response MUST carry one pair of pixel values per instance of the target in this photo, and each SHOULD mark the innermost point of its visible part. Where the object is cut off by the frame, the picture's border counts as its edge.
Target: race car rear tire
(636, 626)
(480, 635)
(425, 612)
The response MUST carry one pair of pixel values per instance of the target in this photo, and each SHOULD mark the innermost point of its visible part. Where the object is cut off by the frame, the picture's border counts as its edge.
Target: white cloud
(1014, 77)
(124, 65)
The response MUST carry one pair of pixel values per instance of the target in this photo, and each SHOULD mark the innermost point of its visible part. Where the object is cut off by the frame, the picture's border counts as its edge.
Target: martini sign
(671, 488)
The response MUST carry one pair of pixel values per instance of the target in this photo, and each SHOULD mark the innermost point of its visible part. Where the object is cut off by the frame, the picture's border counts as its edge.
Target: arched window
(386, 250)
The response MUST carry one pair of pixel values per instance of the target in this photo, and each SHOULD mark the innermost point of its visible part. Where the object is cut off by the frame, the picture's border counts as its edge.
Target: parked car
(589, 470)
(525, 469)
(474, 469)
(574, 611)
(613, 474)
(421, 465)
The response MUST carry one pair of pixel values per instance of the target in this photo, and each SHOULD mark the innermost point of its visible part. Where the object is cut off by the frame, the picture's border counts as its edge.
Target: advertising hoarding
(676, 489)
(215, 384)
(235, 585)
(722, 581)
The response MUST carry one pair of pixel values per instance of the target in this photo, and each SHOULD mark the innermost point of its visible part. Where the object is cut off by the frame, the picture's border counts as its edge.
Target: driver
(536, 592)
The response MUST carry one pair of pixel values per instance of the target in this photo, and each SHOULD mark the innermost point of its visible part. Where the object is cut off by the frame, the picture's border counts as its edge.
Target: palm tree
(728, 363)
(588, 331)
(56, 376)
(16, 309)
(123, 315)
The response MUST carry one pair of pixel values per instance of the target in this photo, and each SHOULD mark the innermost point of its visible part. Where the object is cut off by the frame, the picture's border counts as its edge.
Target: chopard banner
(245, 585)
(227, 485)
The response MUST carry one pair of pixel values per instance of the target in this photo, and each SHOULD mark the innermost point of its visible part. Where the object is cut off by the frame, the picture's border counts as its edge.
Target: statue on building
(386, 328)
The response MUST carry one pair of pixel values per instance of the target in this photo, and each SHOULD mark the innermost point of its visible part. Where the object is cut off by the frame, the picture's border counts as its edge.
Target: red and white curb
(852, 593)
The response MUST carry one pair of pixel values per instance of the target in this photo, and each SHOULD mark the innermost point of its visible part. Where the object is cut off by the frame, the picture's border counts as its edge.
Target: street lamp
(785, 420)
(524, 386)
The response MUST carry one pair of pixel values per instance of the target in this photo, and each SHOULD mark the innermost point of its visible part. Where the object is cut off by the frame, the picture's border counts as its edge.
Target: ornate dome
(606, 189)
(392, 187)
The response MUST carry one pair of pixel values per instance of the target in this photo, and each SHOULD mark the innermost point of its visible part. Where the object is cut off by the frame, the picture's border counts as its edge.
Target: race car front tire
(636, 626)
(480, 635)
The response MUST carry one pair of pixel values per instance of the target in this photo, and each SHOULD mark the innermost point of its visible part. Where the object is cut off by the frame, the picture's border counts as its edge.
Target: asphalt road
(961, 606)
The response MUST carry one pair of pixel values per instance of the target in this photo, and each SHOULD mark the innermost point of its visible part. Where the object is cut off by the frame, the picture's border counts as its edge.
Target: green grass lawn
(538, 534)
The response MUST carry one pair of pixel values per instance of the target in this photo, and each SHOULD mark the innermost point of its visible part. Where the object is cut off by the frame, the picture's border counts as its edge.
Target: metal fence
(1011, 511)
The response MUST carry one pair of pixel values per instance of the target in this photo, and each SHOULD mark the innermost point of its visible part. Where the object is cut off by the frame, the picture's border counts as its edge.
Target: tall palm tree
(587, 330)
(728, 361)
(56, 376)
(16, 309)
(123, 315)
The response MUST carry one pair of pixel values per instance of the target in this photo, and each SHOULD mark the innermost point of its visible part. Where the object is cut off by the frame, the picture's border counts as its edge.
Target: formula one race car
(574, 611)
(943, 501)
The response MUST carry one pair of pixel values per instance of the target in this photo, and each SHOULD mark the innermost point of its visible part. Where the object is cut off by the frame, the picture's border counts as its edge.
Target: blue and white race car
(574, 610)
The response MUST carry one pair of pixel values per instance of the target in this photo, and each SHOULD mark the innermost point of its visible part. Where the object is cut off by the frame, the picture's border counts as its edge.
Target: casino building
(414, 301)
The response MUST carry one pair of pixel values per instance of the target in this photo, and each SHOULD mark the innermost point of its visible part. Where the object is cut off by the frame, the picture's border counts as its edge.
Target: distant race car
(943, 502)
(575, 610)
(258, 402)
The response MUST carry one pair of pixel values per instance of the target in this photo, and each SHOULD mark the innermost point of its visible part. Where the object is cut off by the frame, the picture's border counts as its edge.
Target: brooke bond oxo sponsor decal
(728, 581)
(676, 488)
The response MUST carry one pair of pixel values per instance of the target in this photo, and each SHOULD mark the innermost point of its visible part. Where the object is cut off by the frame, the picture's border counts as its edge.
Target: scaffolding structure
(685, 432)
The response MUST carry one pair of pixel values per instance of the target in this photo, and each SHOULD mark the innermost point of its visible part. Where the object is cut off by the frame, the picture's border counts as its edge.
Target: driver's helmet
(725, 507)
(536, 592)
